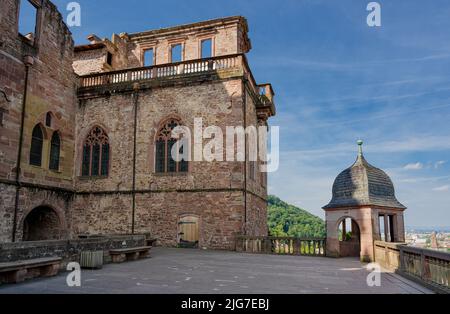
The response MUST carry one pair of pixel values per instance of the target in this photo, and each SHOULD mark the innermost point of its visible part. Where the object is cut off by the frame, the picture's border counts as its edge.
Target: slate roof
(363, 184)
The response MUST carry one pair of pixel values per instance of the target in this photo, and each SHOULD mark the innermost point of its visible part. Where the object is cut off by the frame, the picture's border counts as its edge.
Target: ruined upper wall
(228, 36)
(51, 89)
(52, 36)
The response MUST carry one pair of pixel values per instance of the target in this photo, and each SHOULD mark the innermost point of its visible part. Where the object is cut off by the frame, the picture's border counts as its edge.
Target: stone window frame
(158, 137)
(109, 58)
(200, 40)
(177, 42)
(38, 23)
(90, 142)
(32, 160)
(143, 48)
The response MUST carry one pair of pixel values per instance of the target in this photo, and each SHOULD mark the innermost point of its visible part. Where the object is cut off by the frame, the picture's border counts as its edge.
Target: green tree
(286, 220)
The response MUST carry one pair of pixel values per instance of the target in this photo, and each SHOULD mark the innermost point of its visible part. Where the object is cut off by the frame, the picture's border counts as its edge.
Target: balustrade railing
(430, 266)
(163, 71)
(426, 266)
(281, 245)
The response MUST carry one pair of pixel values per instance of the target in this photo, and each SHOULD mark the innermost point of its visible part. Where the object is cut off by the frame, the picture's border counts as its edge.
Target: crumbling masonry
(83, 132)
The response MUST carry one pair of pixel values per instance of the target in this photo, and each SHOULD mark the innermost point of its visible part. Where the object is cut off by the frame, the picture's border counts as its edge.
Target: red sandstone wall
(51, 88)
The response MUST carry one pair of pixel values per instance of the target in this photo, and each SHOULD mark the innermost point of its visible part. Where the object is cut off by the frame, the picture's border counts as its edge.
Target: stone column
(386, 228)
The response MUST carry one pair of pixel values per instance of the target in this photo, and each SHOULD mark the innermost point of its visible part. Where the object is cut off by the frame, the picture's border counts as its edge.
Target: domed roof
(363, 184)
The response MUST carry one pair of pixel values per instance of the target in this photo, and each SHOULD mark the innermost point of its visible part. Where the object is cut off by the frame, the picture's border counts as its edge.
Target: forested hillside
(288, 220)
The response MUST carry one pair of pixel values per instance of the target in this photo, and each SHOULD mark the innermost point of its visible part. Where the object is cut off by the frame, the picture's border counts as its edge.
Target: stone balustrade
(236, 61)
(428, 267)
(281, 245)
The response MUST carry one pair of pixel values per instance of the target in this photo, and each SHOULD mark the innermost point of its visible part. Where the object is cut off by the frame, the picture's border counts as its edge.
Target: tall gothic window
(96, 154)
(37, 139)
(55, 148)
(164, 161)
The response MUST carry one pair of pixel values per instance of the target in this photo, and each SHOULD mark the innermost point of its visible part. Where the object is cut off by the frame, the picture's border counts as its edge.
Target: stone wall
(90, 61)
(228, 35)
(7, 198)
(363, 217)
(69, 251)
(51, 89)
(213, 191)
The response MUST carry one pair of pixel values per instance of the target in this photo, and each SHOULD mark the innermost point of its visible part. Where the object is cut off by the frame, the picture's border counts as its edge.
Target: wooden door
(188, 231)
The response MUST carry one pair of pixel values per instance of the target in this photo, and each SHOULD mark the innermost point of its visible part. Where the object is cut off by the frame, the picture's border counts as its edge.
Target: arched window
(37, 139)
(96, 154)
(164, 144)
(48, 119)
(55, 147)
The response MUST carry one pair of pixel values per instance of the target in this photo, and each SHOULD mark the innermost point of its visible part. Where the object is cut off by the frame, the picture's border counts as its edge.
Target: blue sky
(336, 80)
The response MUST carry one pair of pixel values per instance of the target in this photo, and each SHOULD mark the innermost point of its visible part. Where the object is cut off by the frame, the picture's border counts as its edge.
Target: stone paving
(171, 271)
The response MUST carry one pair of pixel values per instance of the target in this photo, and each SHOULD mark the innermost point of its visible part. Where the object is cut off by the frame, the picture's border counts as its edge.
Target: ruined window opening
(48, 119)
(28, 15)
(176, 53)
(96, 151)
(164, 161)
(148, 57)
(37, 141)
(109, 58)
(55, 149)
(206, 48)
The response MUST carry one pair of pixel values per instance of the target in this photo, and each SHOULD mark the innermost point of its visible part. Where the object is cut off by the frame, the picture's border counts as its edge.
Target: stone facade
(227, 197)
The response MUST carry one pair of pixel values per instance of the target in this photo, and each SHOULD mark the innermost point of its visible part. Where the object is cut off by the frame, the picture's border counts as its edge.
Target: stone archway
(42, 223)
(349, 237)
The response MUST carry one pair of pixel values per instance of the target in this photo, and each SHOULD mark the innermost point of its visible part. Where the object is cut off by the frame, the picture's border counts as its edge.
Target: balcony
(220, 67)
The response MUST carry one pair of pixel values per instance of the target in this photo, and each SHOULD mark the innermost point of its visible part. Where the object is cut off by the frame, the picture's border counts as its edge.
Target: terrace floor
(171, 271)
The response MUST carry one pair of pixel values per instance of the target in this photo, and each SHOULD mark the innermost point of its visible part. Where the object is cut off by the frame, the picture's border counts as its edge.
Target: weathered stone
(225, 197)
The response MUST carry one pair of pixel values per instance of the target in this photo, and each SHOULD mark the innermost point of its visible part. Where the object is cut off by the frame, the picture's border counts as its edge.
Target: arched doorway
(42, 223)
(188, 231)
(349, 238)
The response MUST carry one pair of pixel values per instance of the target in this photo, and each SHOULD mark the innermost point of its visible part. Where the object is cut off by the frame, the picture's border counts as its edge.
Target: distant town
(431, 238)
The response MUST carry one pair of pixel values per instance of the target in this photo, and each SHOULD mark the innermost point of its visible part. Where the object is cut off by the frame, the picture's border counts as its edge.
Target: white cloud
(443, 188)
(439, 163)
(414, 166)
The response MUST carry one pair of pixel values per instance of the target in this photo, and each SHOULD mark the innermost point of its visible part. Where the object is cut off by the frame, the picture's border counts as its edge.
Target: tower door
(188, 231)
